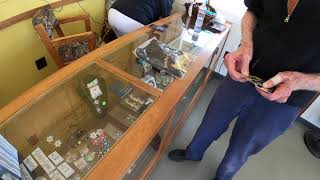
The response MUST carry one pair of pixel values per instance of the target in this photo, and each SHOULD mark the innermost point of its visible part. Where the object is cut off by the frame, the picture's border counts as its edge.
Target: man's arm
(287, 82)
(248, 23)
(238, 61)
(310, 82)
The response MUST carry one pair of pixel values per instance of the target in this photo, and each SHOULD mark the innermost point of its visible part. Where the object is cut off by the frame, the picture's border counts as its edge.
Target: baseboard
(306, 123)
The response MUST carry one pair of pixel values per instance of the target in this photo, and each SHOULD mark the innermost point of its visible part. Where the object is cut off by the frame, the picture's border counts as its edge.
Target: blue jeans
(259, 122)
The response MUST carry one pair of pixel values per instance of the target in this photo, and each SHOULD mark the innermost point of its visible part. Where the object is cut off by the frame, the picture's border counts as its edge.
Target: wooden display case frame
(127, 150)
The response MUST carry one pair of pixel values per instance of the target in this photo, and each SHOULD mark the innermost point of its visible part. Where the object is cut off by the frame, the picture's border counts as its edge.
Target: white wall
(233, 11)
(312, 114)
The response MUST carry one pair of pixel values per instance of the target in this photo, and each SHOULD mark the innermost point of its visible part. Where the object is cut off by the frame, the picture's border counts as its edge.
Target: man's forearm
(249, 21)
(309, 82)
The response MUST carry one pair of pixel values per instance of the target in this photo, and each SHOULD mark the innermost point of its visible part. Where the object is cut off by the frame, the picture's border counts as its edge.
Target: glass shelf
(80, 119)
(176, 36)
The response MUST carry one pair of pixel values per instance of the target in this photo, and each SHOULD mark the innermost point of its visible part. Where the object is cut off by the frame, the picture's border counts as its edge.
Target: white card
(95, 91)
(47, 165)
(55, 158)
(65, 169)
(56, 175)
(30, 163)
(25, 175)
(92, 83)
(38, 155)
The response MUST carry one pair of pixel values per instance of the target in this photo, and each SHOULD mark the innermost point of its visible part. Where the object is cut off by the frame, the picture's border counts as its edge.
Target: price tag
(47, 165)
(66, 170)
(92, 83)
(25, 175)
(56, 175)
(30, 163)
(55, 158)
(39, 155)
(95, 91)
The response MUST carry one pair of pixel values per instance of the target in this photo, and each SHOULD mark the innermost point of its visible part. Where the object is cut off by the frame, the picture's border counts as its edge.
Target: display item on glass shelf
(174, 62)
(149, 80)
(146, 66)
(95, 91)
(120, 89)
(77, 138)
(135, 101)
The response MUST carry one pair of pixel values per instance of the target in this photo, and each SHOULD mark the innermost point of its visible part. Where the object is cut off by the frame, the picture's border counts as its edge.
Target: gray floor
(285, 159)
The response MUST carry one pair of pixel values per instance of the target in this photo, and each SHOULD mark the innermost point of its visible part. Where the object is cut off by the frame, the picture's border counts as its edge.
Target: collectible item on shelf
(146, 66)
(150, 80)
(101, 143)
(66, 170)
(56, 175)
(78, 137)
(55, 158)
(90, 156)
(33, 140)
(258, 82)
(81, 164)
(95, 91)
(9, 162)
(71, 156)
(162, 79)
(24, 172)
(162, 28)
(134, 101)
(50, 139)
(120, 89)
(161, 56)
(57, 143)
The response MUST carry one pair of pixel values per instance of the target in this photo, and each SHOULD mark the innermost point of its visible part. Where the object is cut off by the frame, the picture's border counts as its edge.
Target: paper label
(56, 175)
(39, 155)
(65, 169)
(55, 158)
(92, 83)
(25, 175)
(47, 165)
(95, 91)
(30, 163)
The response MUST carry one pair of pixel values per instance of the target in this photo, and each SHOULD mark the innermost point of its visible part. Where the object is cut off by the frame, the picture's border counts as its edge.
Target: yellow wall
(20, 45)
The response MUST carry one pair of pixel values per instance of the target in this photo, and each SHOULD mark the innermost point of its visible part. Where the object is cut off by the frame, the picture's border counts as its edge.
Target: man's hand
(238, 62)
(285, 83)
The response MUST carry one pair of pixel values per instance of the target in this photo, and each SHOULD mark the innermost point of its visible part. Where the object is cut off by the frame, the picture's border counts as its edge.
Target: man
(280, 44)
(129, 15)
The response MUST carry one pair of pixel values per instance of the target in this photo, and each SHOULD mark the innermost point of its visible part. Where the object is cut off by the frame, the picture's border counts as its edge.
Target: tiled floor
(285, 159)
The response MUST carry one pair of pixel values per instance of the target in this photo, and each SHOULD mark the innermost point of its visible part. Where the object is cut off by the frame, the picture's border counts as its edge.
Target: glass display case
(110, 115)
(177, 36)
(66, 131)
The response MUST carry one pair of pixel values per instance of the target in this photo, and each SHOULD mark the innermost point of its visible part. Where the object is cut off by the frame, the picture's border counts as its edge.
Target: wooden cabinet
(100, 117)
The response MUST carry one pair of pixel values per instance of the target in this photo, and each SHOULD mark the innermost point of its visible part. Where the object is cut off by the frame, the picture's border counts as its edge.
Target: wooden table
(54, 105)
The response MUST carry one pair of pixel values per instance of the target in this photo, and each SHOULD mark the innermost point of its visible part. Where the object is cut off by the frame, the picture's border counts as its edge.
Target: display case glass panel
(66, 131)
(176, 36)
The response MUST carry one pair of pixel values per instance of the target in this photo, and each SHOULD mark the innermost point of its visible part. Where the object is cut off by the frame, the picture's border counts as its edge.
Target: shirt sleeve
(255, 6)
(166, 6)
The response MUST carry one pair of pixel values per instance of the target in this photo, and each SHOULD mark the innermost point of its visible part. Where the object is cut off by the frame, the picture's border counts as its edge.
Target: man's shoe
(178, 155)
